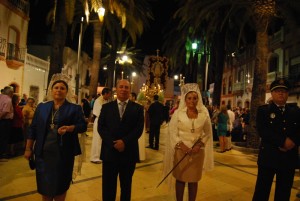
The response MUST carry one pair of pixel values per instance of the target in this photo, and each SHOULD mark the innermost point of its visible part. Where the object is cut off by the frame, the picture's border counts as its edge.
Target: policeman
(278, 126)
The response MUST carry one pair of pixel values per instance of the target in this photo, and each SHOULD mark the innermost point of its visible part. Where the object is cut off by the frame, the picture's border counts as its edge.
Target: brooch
(272, 115)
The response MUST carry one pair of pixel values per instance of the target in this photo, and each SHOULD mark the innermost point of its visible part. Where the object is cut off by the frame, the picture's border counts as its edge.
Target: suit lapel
(115, 110)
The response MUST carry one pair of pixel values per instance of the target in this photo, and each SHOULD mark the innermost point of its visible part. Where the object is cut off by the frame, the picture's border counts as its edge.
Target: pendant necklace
(193, 128)
(52, 118)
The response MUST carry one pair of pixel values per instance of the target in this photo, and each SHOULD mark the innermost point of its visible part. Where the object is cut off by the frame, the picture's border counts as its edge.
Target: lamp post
(78, 60)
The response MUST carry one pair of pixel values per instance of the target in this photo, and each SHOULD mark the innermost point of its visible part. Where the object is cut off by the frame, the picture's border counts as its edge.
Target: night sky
(40, 34)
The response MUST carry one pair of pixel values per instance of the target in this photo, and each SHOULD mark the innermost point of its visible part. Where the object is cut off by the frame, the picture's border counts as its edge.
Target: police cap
(280, 83)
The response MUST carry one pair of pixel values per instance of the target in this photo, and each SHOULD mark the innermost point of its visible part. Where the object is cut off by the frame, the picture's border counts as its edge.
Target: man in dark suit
(120, 125)
(278, 126)
(156, 117)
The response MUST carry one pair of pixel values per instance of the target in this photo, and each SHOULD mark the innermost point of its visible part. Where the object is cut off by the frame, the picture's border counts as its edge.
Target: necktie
(122, 108)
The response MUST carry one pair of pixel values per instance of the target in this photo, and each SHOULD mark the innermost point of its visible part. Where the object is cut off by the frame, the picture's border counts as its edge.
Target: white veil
(186, 89)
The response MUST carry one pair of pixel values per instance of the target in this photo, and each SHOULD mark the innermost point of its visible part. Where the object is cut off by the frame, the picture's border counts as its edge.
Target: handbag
(31, 162)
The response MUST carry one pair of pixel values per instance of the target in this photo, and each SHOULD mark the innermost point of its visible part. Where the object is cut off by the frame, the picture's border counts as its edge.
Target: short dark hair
(105, 91)
(133, 95)
(60, 81)
(155, 97)
(228, 107)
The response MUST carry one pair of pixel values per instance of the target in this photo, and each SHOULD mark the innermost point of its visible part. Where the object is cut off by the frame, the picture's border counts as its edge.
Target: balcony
(238, 88)
(15, 55)
(294, 79)
(21, 5)
(276, 38)
(2, 48)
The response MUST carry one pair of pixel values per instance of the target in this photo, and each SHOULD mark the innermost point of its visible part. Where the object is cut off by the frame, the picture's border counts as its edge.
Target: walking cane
(177, 164)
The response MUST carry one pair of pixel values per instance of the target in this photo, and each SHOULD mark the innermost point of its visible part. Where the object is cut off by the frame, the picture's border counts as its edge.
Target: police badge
(272, 115)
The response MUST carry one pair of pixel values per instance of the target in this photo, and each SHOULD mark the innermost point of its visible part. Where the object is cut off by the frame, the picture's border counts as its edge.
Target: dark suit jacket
(156, 113)
(129, 129)
(274, 127)
(69, 114)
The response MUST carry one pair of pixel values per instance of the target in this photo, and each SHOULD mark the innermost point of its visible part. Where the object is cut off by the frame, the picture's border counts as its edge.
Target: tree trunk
(58, 44)
(112, 70)
(219, 52)
(96, 58)
(259, 82)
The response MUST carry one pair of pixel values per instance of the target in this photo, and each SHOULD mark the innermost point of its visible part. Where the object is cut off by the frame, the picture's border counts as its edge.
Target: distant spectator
(28, 112)
(214, 121)
(222, 127)
(22, 103)
(133, 96)
(6, 116)
(175, 107)
(156, 115)
(147, 121)
(86, 108)
(96, 141)
(231, 116)
(16, 134)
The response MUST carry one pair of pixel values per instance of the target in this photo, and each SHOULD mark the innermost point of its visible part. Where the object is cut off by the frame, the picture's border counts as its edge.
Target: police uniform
(274, 125)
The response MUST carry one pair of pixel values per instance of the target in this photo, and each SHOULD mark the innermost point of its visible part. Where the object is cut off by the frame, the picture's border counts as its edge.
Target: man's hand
(119, 145)
(288, 144)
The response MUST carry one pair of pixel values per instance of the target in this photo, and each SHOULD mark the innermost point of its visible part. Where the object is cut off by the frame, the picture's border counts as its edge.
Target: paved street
(233, 179)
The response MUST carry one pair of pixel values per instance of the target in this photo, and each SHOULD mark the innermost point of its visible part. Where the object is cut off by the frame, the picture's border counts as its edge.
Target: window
(273, 63)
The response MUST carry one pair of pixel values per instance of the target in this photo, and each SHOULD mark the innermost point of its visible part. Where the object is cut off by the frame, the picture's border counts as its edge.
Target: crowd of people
(15, 118)
(49, 132)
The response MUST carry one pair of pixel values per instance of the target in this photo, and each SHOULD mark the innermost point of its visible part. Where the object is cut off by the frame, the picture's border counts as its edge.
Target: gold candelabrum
(147, 93)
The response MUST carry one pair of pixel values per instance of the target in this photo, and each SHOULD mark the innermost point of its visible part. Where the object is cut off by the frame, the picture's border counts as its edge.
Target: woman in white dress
(190, 136)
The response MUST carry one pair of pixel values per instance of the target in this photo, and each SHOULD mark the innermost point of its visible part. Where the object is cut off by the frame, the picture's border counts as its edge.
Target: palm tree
(133, 17)
(60, 16)
(109, 57)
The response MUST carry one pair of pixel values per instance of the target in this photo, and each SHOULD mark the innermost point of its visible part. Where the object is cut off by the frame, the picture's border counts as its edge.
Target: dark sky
(150, 41)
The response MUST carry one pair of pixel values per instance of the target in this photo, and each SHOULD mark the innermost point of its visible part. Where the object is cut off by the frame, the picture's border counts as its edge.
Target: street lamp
(133, 74)
(78, 59)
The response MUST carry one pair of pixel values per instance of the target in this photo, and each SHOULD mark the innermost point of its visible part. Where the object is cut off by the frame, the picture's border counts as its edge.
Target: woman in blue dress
(53, 139)
(223, 118)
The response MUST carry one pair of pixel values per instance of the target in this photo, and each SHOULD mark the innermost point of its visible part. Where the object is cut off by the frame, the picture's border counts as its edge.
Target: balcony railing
(22, 5)
(2, 47)
(276, 38)
(14, 52)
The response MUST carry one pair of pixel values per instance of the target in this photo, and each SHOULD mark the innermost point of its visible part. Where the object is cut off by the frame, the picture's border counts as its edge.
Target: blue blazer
(111, 127)
(69, 114)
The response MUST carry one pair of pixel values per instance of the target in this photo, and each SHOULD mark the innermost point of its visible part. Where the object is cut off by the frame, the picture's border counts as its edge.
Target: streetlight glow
(194, 46)
(124, 58)
(175, 77)
(101, 12)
